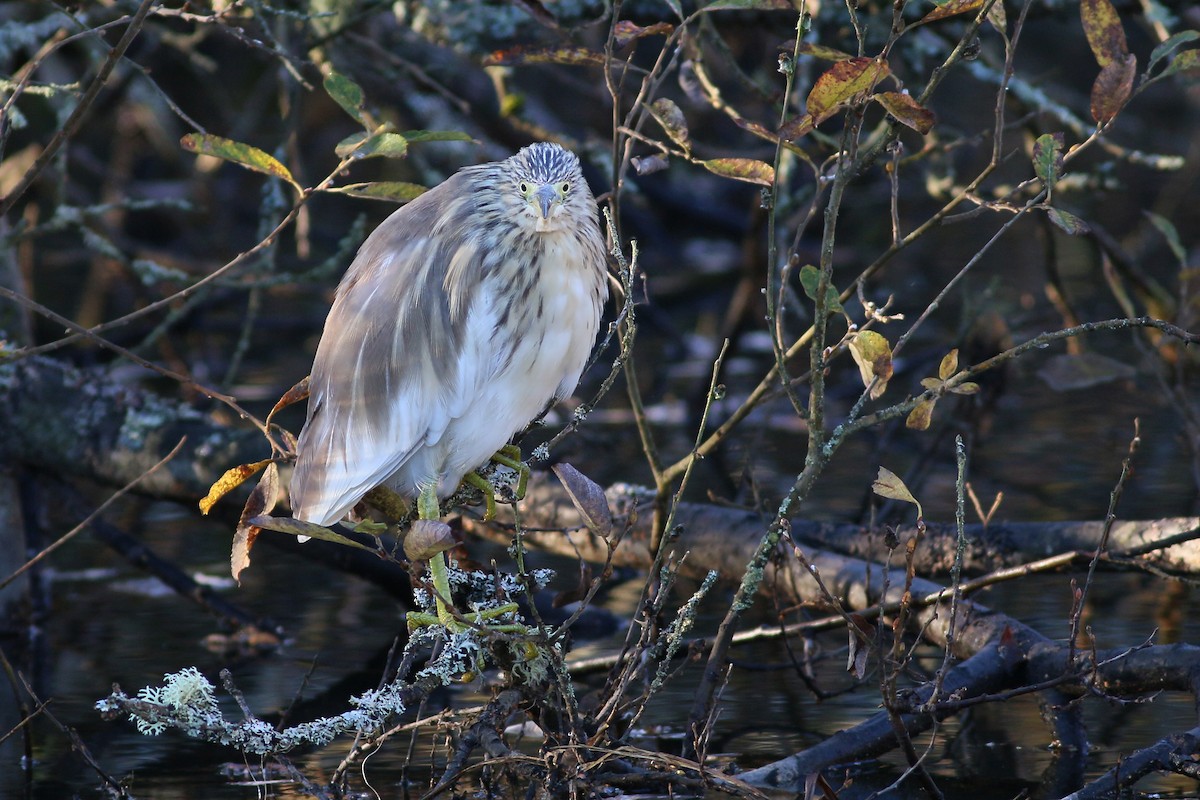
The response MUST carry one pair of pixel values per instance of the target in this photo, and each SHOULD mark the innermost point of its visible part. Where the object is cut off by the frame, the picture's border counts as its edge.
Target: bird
(463, 316)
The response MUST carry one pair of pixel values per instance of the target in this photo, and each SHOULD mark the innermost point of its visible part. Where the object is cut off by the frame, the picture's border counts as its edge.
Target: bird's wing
(389, 373)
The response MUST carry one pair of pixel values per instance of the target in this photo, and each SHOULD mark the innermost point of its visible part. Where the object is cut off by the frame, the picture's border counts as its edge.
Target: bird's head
(551, 185)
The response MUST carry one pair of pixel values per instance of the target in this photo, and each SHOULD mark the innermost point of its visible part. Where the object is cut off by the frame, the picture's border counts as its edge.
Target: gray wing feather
(389, 370)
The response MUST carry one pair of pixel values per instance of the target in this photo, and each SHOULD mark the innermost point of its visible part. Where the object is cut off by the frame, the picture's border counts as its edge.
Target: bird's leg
(428, 508)
(439, 569)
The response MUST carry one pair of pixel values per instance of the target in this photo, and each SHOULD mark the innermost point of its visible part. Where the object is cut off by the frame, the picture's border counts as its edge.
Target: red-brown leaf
(262, 501)
(907, 111)
(1111, 90)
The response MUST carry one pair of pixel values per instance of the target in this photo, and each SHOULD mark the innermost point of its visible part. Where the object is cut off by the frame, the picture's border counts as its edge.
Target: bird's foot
(507, 456)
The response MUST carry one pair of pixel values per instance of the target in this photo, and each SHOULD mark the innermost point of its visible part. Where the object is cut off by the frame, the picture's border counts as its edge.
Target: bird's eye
(566, 187)
(524, 187)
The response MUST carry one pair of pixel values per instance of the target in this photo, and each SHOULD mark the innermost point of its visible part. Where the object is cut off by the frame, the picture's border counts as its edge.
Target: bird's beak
(546, 196)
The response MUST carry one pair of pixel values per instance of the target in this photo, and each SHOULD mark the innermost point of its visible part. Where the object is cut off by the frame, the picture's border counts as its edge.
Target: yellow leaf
(949, 365)
(233, 478)
(889, 485)
(873, 355)
(921, 416)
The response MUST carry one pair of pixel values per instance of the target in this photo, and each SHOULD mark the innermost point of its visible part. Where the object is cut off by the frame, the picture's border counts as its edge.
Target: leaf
(748, 5)
(742, 169)
(949, 365)
(574, 56)
(843, 82)
(625, 32)
(304, 530)
(262, 500)
(1113, 86)
(671, 119)
(588, 498)
(1102, 26)
(1172, 44)
(384, 144)
(242, 154)
(1187, 60)
(676, 7)
(997, 17)
(346, 93)
(648, 165)
(809, 279)
(889, 485)
(437, 136)
(921, 416)
(1048, 158)
(233, 478)
(907, 111)
(966, 387)
(859, 649)
(822, 52)
(290, 397)
(1068, 371)
(395, 191)
(426, 538)
(953, 8)
(1169, 232)
(873, 355)
(1067, 221)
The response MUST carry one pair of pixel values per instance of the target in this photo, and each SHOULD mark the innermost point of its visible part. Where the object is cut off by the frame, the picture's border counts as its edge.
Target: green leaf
(671, 119)
(809, 278)
(1102, 26)
(1048, 158)
(437, 136)
(1172, 44)
(907, 111)
(310, 530)
(1187, 60)
(1067, 221)
(1169, 232)
(394, 191)
(386, 144)
(346, 93)
(245, 155)
(822, 52)
(748, 5)
(742, 169)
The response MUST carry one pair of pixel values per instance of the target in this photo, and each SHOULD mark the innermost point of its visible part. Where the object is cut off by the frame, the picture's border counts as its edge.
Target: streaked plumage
(464, 314)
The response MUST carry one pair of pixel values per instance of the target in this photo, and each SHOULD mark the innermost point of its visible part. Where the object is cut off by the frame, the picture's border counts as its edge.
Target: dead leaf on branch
(232, 479)
(1112, 88)
(262, 501)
